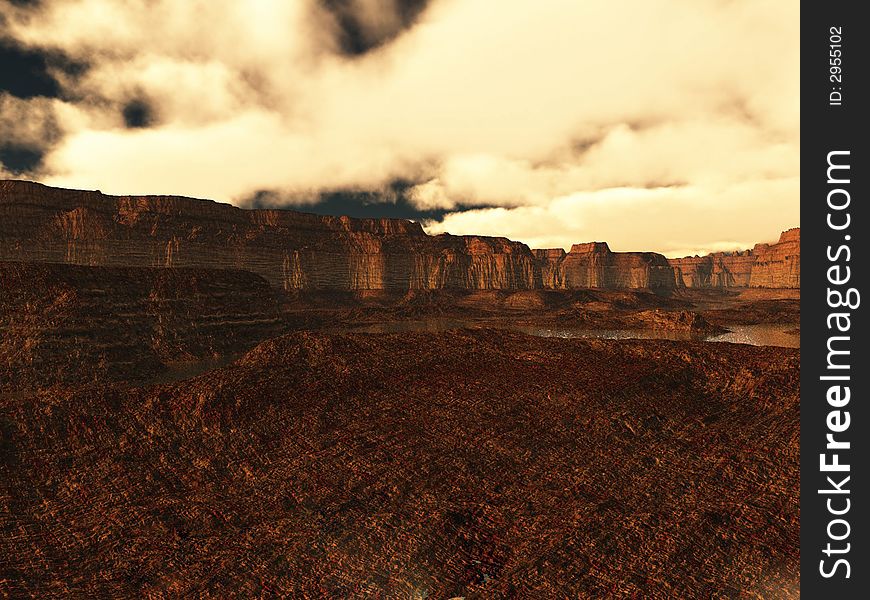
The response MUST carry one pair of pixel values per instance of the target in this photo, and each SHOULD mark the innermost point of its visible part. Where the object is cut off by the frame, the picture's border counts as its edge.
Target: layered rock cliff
(294, 250)
(73, 324)
(299, 251)
(765, 266)
(291, 250)
(593, 265)
(778, 265)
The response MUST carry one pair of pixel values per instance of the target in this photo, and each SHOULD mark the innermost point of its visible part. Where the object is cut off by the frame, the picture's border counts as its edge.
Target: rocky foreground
(482, 464)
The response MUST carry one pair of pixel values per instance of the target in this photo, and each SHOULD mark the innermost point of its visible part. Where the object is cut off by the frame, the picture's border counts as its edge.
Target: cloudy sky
(666, 125)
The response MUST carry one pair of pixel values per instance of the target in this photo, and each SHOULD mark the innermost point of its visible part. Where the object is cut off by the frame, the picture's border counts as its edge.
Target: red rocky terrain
(481, 464)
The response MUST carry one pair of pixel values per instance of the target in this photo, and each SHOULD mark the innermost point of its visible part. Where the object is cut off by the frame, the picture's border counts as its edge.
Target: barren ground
(207, 443)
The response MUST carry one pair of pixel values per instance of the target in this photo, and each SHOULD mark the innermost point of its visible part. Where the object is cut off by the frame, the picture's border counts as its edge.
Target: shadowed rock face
(73, 325)
(766, 265)
(137, 460)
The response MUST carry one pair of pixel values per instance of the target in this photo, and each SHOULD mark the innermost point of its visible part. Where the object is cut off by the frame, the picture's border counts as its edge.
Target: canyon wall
(291, 250)
(300, 251)
(75, 324)
(765, 266)
(778, 265)
(593, 265)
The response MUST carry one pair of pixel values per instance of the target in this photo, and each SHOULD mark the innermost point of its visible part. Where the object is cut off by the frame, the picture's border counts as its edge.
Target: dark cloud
(28, 131)
(361, 30)
(351, 38)
(138, 114)
(24, 73)
(18, 158)
(391, 203)
(409, 10)
(27, 73)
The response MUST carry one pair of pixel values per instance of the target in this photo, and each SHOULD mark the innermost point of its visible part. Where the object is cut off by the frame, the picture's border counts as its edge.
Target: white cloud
(519, 104)
(674, 221)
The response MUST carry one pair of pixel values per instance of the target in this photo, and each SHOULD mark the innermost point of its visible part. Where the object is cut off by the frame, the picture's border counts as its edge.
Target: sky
(661, 125)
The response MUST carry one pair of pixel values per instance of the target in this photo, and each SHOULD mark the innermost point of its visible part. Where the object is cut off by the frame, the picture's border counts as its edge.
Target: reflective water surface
(768, 334)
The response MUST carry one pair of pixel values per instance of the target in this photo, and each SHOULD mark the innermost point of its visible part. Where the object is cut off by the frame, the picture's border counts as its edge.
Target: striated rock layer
(72, 325)
(593, 265)
(766, 265)
(778, 265)
(299, 251)
(291, 250)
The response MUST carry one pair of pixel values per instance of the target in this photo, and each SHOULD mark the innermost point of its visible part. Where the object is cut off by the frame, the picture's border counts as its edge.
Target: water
(606, 334)
(768, 334)
(755, 335)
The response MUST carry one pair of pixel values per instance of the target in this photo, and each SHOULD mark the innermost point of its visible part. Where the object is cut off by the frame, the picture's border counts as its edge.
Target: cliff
(778, 265)
(294, 250)
(73, 324)
(765, 266)
(291, 250)
(300, 251)
(593, 265)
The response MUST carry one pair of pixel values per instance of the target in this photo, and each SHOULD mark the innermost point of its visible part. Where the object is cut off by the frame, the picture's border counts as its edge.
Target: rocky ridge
(594, 265)
(765, 266)
(75, 325)
(300, 251)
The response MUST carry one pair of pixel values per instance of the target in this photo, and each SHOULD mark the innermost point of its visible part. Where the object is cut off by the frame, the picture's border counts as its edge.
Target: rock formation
(291, 250)
(182, 414)
(73, 325)
(593, 265)
(778, 265)
(765, 266)
(299, 251)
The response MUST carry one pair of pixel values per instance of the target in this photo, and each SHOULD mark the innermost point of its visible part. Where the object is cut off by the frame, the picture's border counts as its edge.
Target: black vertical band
(835, 421)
